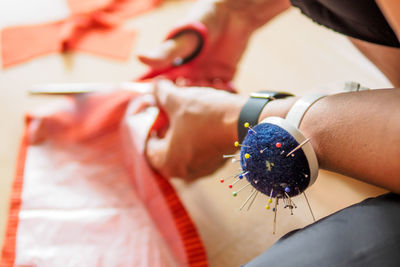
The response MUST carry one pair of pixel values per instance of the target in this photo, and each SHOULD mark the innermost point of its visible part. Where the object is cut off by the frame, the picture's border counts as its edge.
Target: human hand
(230, 23)
(202, 127)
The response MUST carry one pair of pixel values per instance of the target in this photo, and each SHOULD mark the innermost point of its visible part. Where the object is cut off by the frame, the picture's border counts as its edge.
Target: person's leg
(365, 234)
(385, 58)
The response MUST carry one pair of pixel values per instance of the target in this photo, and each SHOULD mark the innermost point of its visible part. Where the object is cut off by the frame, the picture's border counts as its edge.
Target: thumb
(170, 50)
(165, 98)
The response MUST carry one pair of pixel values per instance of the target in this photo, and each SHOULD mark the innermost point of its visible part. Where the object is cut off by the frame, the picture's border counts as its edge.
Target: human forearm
(391, 10)
(356, 134)
(257, 12)
(248, 15)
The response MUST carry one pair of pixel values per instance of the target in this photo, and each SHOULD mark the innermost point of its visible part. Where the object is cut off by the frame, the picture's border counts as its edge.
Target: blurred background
(290, 53)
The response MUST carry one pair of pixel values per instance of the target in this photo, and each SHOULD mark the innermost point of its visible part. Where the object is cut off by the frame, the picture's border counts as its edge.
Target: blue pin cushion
(265, 163)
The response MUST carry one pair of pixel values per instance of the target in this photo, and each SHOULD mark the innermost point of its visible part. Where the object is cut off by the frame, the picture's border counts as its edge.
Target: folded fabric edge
(195, 251)
(189, 250)
(9, 242)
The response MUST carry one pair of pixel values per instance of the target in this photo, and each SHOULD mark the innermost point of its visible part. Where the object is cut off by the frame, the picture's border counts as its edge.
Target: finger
(170, 50)
(156, 150)
(159, 158)
(166, 96)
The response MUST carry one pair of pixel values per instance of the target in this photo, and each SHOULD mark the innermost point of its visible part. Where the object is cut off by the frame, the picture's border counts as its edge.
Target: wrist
(250, 115)
(277, 108)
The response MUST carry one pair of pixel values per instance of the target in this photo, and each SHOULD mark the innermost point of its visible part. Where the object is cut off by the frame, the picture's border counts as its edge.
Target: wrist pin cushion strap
(252, 109)
(277, 159)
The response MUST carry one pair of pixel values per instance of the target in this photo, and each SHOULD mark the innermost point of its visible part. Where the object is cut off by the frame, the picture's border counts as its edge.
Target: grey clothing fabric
(363, 235)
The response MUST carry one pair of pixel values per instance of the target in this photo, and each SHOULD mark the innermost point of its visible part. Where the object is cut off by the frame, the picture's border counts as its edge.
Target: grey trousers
(365, 234)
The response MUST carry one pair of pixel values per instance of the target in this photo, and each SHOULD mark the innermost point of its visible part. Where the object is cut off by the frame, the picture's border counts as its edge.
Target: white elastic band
(296, 113)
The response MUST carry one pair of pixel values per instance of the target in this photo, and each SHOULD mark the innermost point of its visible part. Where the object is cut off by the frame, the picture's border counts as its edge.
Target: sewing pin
(231, 185)
(230, 156)
(235, 193)
(243, 187)
(243, 174)
(298, 147)
(247, 125)
(238, 145)
(270, 197)
(233, 176)
(305, 175)
(253, 191)
(309, 206)
(275, 211)
(252, 201)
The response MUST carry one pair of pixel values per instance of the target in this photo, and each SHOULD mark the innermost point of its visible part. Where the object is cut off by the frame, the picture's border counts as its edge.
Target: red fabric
(99, 121)
(93, 27)
(102, 117)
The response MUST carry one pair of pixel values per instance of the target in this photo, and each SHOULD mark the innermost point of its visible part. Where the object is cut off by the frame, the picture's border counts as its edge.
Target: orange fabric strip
(9, 245)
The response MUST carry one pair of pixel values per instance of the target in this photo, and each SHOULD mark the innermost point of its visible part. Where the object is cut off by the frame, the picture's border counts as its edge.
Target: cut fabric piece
(119, 10)
(75, 202)
(46, 38)
(93, 27)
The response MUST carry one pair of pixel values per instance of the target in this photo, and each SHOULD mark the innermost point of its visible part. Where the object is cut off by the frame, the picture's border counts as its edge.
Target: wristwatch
(252, 109)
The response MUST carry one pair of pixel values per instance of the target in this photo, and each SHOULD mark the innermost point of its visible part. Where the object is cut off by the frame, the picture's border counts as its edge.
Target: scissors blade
(82, 88)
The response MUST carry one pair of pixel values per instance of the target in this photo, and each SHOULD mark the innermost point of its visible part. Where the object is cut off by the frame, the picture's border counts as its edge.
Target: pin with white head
(230, 156)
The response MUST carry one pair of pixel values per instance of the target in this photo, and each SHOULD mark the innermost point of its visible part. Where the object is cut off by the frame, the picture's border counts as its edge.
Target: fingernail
(150, 54)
